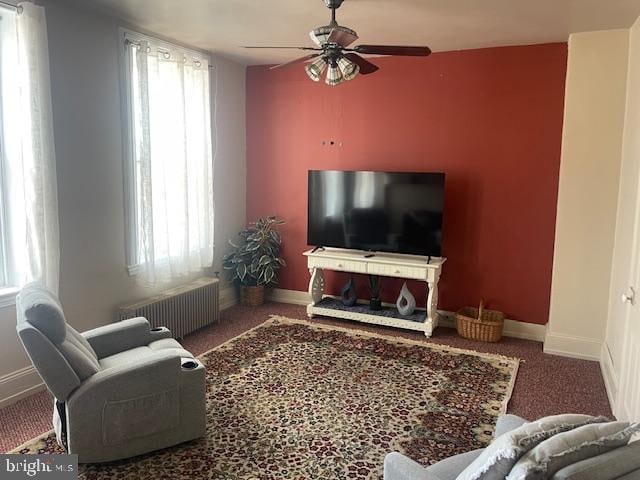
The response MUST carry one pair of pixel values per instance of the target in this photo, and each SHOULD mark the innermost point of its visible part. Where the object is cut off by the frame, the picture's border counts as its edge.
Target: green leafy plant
(255, 256)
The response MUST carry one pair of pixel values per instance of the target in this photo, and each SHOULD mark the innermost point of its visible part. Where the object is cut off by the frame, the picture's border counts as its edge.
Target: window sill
(8, 296)
(137, 268)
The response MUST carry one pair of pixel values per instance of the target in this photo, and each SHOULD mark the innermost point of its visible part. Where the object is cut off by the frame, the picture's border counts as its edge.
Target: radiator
(182, 310)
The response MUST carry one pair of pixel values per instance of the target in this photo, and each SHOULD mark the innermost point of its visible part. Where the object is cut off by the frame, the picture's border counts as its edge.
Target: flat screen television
(376, 211)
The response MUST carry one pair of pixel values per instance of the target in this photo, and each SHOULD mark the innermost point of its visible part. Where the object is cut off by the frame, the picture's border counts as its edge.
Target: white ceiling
(223, 26)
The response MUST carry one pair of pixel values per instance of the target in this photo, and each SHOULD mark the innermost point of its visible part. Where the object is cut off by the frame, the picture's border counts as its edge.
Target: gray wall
(84, 48)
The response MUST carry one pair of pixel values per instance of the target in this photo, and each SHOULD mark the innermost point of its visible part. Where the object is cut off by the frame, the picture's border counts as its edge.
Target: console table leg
(432, 307)
(316, 286)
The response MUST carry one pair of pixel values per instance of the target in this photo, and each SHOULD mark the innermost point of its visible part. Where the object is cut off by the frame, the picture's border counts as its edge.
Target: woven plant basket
(252, 296)
(480, 324)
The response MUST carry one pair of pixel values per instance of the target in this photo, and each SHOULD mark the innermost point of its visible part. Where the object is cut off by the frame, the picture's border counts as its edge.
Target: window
(169, 165)
(8, 72)
(29, 248)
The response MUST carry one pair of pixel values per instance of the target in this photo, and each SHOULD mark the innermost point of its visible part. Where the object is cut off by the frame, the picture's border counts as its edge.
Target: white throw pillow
(497, 460)
(570, 447)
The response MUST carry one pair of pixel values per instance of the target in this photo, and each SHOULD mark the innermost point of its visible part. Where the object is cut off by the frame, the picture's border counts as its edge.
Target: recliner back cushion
(41, 309)
(59, 377)
(79, 354)
(86, 346)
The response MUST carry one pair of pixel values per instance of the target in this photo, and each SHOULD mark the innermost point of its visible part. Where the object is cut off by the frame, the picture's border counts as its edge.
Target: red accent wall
(491, 119)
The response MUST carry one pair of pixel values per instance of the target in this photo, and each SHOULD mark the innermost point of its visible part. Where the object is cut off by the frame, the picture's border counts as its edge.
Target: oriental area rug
(291, 399)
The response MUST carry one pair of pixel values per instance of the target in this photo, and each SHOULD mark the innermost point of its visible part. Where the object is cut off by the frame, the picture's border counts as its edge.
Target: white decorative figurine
(406, 302)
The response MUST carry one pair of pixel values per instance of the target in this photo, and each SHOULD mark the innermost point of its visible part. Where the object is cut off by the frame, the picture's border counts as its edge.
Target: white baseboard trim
(19, 384)
(572, 346)
(610, 377)
(525, 331)
(295, 297)
(228, 298)
(512, 328)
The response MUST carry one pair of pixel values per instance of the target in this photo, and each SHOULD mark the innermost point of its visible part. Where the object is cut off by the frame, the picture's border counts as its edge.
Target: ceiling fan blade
(366, 67)
(289, 48)
(342, 36)
(297, 60)
(393, 50)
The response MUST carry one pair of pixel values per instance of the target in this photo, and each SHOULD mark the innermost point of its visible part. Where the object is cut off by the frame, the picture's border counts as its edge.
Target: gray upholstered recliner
(121, 390)
(623, 463)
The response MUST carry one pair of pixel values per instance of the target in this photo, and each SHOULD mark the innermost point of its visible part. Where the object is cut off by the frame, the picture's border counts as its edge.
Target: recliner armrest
(124, 335)
(156, 371)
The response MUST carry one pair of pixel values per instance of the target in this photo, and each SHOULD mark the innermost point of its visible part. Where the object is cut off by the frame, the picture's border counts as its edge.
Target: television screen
(376, 211)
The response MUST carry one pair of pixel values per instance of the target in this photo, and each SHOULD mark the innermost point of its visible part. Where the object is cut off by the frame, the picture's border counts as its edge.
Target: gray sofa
(622, 463)
(120, 390)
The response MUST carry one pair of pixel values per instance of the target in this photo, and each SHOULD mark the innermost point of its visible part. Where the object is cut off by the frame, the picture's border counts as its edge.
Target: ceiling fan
(332, 51)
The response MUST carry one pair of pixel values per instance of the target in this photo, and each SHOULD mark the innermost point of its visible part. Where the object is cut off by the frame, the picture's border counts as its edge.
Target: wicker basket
(252, 296)
(480, 324)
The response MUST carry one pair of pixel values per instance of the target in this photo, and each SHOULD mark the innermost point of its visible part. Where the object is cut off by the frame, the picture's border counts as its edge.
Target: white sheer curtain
(171, 130)
(29, 167)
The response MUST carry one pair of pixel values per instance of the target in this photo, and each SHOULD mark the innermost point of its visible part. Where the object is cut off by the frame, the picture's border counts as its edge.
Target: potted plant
(374, 287)
(254, 259)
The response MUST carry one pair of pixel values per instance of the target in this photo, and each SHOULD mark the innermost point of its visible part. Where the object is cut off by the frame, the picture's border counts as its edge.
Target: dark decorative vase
(349, 295)
(374, 287)
(375, 304)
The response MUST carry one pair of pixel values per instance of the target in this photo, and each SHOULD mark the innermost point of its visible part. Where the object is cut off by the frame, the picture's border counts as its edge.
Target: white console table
(383, 264)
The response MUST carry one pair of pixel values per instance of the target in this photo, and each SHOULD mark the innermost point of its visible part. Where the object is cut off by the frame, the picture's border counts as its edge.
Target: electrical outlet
(447, 317)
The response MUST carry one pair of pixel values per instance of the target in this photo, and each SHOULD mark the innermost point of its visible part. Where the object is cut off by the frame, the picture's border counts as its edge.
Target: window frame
(134, 265)
(7, 288)
(4, 250)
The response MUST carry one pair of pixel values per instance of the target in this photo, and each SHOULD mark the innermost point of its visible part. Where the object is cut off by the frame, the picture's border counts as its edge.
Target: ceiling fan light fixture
(314, 69)
(334, 75)
(348, 68)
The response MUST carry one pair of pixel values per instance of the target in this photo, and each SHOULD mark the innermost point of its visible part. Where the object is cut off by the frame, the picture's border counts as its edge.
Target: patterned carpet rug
(290, 399)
